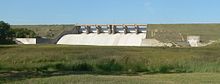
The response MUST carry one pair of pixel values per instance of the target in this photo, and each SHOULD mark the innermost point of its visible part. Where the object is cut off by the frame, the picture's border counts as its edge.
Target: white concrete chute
(103, 39)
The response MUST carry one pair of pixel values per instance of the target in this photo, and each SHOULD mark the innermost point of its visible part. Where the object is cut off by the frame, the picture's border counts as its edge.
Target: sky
(109, 11)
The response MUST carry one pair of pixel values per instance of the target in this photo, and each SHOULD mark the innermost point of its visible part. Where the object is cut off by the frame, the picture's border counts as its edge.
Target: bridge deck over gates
(112, 28)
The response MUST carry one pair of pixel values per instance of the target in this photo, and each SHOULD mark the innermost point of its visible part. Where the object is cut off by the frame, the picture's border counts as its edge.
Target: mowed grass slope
(49, 31)
(175, 32)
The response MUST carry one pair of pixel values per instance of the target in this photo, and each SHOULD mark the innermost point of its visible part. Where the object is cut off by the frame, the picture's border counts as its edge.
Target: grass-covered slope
(175, 32)
(49, 31)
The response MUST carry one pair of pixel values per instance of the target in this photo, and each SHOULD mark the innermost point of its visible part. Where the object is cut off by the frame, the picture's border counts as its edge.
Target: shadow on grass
(6, 77)
(18, 76)
(108, 68)
(2, 46)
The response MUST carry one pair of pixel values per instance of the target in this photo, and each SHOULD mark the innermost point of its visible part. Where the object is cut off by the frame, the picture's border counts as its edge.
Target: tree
(4, 30)
(6, 35)
(24, 33)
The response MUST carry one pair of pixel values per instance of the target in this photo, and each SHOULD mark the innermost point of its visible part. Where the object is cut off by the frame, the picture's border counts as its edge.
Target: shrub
(82, 67)
(62, 67)
(46, 68)
(165, 69)
(110, 66)
(140, 68)
(182, 69)
(24, 33)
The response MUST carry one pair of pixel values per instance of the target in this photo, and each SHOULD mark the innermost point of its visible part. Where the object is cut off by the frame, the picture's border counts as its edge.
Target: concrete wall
(103, 39)
(193, 41)
(26, 40)
(55, 40)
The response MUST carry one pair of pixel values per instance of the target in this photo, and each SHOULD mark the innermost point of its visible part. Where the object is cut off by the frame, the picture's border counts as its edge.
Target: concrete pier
(114, 30)
(109, 27)
(125, 29)
(98, 29)
(136, 29)
(88, 29)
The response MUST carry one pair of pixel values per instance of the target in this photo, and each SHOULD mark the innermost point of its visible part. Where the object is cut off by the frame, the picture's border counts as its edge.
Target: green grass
(171, 32)
(96, 58)
(195, 78)
(20, 62)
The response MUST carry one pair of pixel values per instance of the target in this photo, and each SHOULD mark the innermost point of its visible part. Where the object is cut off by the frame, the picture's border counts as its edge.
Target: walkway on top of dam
(112, 28)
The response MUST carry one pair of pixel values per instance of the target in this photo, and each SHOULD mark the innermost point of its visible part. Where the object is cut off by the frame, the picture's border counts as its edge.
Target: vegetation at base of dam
(49, 59)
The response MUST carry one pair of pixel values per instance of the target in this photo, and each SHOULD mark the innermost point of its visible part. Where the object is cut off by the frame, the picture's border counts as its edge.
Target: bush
(82, 67)
(110, 66)
(165, 69)
(140, 68)
(62, 67)
(6, 42)
(45, 68)
(24, 33)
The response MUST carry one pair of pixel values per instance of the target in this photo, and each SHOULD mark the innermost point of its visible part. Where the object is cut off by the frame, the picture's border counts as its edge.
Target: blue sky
(109, 11)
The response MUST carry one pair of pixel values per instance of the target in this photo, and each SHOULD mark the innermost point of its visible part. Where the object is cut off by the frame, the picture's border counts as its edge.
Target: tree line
(7, 34)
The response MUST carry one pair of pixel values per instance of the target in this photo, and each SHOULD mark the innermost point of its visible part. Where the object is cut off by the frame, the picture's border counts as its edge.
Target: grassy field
(195, 78)
(49, 31)
(175, 32)
(37, 57)
(20, 62)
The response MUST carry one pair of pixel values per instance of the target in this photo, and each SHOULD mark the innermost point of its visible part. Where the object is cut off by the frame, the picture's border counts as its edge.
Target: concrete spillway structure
(26, 40)
(107, 35)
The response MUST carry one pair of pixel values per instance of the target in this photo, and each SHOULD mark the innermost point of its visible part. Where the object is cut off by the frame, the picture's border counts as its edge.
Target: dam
(107, 35)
